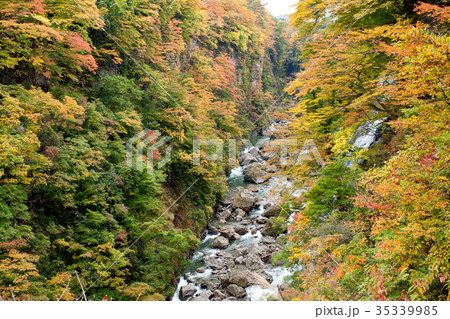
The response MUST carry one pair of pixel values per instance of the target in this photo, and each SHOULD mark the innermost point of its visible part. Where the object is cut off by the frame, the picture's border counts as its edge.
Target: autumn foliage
(79, 79)
(379, 229)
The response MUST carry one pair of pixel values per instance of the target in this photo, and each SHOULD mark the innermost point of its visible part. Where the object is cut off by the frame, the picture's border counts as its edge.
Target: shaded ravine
(239, 267)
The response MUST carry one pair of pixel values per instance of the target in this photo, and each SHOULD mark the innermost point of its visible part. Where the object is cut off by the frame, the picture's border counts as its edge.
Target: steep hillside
(374, 96)
(81, 78)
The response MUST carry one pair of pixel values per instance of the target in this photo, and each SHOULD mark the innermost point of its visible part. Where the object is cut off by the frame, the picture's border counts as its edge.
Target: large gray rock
(258, 280)
(226, 231)
(267, 240)
(224, 214)
(203, 296)
(217, 264)
(244, 200)
(219, 295)
(201, 270)
(246, 159)
(236, 291)
(240, 278)
(261, 220)
(220, 243)
(224, 279)
(253, 262)
(253, 173)
(246, 222)
(265, 275)
(268, 230)
(241, 229)
(253, 151)
(240, 260)
(186, 292)
(272, 211)
(239, 214)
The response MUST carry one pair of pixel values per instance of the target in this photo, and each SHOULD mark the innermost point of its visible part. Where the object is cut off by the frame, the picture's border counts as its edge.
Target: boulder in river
(220, 243)
(226, 231)
(201, 270)
(217, 264)
(240, 278)
(186, 292)
(240, 260)
(224, 279)
(253, 173)
(246, 159)
(253, 262)
(246, 222)
(262, 220)
(272, 211)
(267, 240)
(236, 291)
(268, 230)
(203, 296)
(265, 275)
(239, 214)
(254, 151)
(244, 200)
(224, 215)
(258, 280)
(241, 229)
(218, 295)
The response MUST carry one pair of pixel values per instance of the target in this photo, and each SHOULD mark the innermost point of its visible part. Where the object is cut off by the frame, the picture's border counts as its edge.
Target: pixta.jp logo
(144, 150)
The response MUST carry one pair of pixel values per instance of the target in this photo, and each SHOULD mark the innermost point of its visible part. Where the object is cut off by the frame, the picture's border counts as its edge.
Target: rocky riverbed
(234, 260)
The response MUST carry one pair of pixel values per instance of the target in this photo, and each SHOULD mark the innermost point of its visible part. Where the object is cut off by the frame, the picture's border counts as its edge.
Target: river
(206, 277)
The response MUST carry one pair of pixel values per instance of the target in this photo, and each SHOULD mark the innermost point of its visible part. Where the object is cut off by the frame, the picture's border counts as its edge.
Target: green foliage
(13, 211)
(71, 97)
(332, 192)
